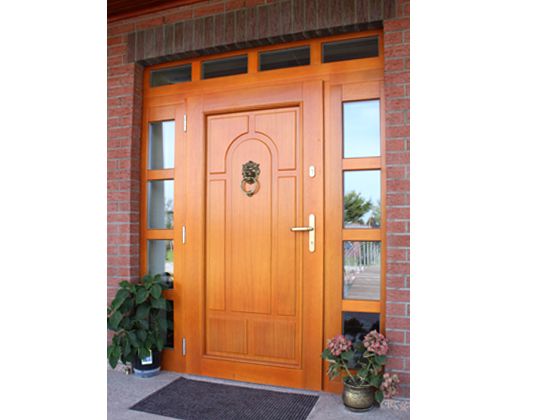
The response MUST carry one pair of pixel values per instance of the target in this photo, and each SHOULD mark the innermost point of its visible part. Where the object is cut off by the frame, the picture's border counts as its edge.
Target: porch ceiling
(121, 9)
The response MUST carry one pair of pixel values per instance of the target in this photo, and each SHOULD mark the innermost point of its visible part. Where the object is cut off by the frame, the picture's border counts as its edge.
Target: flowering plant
(366, 358)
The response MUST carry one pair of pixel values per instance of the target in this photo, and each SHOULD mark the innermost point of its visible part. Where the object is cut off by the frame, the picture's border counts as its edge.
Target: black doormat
(188, 399)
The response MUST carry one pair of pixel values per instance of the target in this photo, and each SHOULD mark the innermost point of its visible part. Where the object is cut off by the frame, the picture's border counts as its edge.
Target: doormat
(188, 399)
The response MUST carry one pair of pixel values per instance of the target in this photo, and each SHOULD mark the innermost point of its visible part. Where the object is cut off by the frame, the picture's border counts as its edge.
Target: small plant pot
(143, 369)
(358, 398)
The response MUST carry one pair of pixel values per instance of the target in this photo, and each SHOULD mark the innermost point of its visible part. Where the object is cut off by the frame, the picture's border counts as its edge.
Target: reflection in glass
(160, 259)
(279, 59)
(362, 270)
(169, 337)
(362, 199)
(224, 67)
(160, 204)
(161, 145)
(362, 135)
(350, 49)
(357, 324)
(170, 75)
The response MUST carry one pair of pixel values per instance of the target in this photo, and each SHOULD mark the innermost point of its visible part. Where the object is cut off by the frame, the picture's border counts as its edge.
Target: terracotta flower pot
(358, 398)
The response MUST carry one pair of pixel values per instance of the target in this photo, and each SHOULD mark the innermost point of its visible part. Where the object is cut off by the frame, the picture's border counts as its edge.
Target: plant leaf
(156, 291)
(141, 295)
(347, 355)
(115, 320)
(159, 303)
(142, 311)
(379, 396)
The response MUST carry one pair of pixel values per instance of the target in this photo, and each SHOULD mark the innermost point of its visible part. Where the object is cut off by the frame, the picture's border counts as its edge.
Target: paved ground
(123, 391)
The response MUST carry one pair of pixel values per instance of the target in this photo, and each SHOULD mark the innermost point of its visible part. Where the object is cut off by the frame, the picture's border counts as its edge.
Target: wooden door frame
(307, 95)
(345, 80)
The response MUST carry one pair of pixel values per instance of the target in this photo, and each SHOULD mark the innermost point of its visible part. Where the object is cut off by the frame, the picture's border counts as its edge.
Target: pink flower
(339, 344)
(376, 343)
(390, 385)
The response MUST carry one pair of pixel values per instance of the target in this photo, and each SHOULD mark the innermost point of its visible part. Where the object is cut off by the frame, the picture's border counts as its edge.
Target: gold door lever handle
(310, 229)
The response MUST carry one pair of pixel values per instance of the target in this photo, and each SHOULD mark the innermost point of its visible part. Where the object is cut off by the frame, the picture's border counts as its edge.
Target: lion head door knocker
(250, 182)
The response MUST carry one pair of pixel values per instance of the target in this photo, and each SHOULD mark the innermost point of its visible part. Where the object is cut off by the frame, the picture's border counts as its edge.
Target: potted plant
(361, 365)
(138, 317)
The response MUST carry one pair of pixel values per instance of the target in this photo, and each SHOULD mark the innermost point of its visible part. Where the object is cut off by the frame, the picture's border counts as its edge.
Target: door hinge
(184, 347)
(184, 234)
(185, 123)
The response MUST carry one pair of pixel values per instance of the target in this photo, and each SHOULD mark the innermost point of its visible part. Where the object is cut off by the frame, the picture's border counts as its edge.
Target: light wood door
(254, 289)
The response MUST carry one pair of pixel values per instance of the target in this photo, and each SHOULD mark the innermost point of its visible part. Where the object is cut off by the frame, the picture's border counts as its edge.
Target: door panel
(259, 287)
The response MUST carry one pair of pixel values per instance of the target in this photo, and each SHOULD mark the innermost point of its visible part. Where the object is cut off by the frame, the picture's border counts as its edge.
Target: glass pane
(169, 338)
(160, 204)
(292, 57)
(362, 270)
(357, 324)
(362, 132)
(362, 199)
(160, 259)
(161, 145)
(350, 49)
(224, 67)
(170, 76)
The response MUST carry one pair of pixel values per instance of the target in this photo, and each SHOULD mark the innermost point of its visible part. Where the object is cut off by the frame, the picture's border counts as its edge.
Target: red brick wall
(161, 37)
(397, 135)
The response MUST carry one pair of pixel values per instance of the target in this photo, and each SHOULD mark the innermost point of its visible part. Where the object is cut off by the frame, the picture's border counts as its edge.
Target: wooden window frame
(351, 80)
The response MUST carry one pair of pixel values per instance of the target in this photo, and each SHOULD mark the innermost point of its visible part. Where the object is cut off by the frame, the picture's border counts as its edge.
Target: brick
(209, 31)
(394, 64)
(396, 24)
(179, 16)
(274, 20)
(398, 51)
(395, 281)
(312, 14)
(393, 38)
(397, 227)
(198, 37)
(178, 37)
(395, 363)
(375, 10)
(119, 28)
(148, 23)
(297, 16)
(395, 337)
(397, 200)
(397, 104)
(251, 24)
(234, 4)
(285, 17)
(187, 35)
(169, 39)
(210, 9)
(240, 26)
(398, 268)
(393, 240)
(397, 158)
(396, 296)
(229, 27)
(262, 22)
(219, 30)
(396, 309)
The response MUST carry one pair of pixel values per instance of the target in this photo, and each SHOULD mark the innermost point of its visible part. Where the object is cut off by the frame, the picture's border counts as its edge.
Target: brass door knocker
(250, 173)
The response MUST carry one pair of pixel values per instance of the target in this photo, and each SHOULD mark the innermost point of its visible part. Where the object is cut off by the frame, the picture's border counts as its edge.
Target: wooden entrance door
(253, 295)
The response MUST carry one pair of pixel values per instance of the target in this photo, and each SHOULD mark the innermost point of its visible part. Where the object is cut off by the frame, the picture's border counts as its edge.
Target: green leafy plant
(138, 316)
(361, 363)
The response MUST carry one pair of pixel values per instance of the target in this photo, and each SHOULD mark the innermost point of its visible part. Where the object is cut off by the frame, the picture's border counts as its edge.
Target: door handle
(301, 229)
(310, 229)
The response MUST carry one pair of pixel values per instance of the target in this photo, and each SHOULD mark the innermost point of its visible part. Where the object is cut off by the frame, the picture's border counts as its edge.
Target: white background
(485, 209)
